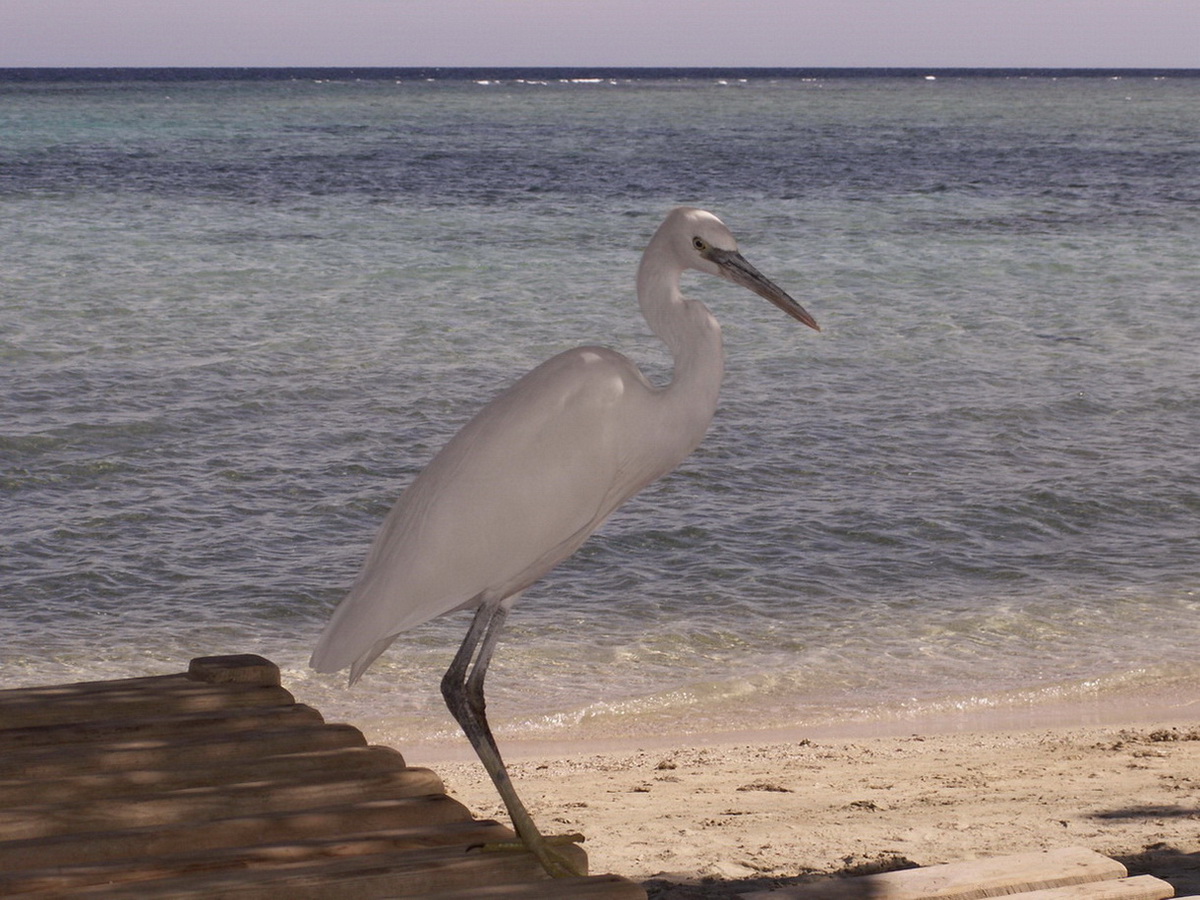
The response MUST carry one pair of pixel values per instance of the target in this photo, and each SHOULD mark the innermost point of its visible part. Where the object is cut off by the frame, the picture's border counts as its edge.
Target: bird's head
(702, 241)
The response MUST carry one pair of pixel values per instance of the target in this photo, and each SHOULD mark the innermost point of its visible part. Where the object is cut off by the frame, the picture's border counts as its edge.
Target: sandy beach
(708, 820)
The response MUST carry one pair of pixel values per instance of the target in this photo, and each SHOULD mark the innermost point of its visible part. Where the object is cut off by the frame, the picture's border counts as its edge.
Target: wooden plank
(213, 802)
(210, 683)
(1140, 887)
(62, 878)
(52, 693)
(136, 703)
(593, 887)
(150, 686)
(964, 880)
(241, 668)
(201, 750)
(125, 788)
(184, 725)
(428, 812)
(414, 874)
(211, 688)
(76, 789)
(247, 670)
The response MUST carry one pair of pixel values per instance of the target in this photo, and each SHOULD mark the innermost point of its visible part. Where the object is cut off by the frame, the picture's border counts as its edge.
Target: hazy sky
(1070, 33)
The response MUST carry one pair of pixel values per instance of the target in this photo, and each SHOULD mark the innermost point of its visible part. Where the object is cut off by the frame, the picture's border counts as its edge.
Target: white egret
(532, 475)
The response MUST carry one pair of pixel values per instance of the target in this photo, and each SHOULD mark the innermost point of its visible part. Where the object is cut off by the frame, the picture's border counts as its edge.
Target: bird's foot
(556, 862)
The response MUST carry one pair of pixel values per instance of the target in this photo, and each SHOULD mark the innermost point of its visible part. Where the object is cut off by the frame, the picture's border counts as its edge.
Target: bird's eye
(699, 244)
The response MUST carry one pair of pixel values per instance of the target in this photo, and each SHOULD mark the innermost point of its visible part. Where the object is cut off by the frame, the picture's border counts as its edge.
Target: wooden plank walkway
(216, 783)
(1073, 873)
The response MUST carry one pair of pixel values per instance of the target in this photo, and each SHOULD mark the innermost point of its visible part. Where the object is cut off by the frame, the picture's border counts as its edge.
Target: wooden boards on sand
(216, 783)
(1073, 873)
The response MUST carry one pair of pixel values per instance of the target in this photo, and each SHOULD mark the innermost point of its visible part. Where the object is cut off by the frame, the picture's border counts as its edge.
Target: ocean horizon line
(471, 73)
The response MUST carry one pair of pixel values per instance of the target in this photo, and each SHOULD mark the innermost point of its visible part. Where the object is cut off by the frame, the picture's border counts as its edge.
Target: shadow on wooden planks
(216, 783)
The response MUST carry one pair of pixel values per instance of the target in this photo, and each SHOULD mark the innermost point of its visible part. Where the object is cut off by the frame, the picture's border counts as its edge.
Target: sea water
(239, 311)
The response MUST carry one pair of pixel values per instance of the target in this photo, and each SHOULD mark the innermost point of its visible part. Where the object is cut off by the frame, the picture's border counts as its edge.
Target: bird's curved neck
(686, 326)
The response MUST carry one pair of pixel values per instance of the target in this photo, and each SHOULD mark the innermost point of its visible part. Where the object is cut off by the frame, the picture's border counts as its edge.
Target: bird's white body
(532, 475)
(529, 478)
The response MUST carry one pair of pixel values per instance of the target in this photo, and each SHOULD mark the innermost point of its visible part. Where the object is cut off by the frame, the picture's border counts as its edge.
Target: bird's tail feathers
(361, 664)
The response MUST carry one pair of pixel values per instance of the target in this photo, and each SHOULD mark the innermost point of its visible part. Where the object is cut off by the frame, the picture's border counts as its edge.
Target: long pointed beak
(734, 267)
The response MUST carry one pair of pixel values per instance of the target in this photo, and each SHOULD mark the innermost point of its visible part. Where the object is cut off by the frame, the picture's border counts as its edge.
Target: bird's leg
(462, 688)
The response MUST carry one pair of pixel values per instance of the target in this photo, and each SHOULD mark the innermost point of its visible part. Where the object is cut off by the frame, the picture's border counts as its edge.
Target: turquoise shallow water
(237, 315)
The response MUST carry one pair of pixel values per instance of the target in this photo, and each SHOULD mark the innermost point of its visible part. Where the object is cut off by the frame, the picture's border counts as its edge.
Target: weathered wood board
(216, 783)
(1073, 873)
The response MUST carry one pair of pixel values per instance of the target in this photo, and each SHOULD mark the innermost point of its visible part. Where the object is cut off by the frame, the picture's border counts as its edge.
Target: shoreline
(1178, 703)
